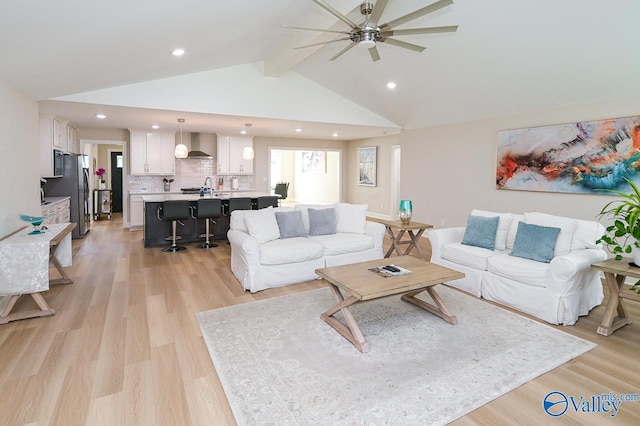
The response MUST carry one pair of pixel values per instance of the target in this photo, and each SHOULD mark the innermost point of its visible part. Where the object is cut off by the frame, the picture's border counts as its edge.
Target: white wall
(19, 164)
(449, 170)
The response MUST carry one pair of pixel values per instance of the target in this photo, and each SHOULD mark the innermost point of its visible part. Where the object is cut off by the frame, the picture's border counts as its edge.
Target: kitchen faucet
(208, 178)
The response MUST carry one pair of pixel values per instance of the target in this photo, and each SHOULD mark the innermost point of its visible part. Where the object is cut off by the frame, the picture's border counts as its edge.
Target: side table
(615, 272)
(396, 239)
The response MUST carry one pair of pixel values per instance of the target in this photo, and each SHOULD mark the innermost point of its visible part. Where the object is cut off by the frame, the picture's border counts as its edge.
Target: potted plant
(623, 236)
(102, 182)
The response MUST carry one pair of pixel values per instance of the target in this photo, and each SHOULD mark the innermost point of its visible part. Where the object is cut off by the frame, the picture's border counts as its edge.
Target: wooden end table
(401, 228)
(615, 272)
(364, 285)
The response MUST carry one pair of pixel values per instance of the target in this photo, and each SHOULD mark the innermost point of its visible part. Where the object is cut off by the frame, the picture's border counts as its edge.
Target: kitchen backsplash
(190, 173)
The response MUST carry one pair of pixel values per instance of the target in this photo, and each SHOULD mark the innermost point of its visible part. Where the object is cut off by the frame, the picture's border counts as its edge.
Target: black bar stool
(208, 209)
(174, 211)
(282, 189)
(240, 203)
(267, 201)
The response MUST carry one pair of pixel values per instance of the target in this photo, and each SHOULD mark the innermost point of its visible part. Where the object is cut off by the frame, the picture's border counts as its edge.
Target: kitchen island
(156, 230)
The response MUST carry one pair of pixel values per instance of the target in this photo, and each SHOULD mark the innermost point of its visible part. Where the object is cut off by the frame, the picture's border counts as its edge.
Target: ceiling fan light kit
(368, 33)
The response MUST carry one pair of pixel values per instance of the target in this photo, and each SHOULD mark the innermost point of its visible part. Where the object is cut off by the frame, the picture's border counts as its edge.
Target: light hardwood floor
(124, 346)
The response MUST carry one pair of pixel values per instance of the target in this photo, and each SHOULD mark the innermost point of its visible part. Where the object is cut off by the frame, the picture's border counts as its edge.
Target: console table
(615, 272)
(25, 263)
(396, 239)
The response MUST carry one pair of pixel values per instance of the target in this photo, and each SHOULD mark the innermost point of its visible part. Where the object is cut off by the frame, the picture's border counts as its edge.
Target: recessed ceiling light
(178, 52)
(101, 116)
(335, 135)
(297, 129)
(155, 126)
(391, 85)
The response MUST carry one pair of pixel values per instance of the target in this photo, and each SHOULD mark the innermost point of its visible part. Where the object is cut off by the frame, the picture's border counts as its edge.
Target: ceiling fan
(369, 32)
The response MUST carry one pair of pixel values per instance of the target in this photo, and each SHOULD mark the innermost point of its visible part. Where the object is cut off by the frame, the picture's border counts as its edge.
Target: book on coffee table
(390, 270)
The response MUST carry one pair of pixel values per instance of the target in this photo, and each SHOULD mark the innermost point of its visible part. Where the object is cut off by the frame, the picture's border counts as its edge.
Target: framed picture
(581, 157)
(367, 158)
(314, 162)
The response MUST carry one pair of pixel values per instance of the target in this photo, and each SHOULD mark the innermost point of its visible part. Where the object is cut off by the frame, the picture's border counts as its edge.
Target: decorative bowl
(36, 221)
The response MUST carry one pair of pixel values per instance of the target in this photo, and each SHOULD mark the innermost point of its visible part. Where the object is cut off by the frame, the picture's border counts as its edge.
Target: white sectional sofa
(269, 251)
(557, 292)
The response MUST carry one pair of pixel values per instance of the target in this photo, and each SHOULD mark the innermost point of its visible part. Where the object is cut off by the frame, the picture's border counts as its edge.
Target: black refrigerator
(74, 184)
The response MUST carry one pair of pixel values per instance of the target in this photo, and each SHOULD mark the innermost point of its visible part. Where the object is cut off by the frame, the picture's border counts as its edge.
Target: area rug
(280, 364)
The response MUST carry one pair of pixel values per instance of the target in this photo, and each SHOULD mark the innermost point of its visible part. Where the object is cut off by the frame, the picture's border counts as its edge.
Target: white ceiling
(507, 57)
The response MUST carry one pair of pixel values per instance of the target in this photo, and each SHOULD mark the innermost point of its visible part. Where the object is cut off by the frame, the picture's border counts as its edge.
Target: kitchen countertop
(223, 195)
(147, 192)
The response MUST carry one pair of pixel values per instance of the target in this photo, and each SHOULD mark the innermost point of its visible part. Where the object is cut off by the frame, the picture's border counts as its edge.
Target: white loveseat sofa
(261, 258)
(557, 292)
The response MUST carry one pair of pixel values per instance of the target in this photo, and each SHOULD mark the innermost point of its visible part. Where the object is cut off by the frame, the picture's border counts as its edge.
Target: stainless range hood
(201, 143)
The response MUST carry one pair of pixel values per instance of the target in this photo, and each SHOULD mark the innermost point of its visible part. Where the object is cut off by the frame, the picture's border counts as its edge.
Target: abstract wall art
(314, 162)
(367, 157)
(583, 157)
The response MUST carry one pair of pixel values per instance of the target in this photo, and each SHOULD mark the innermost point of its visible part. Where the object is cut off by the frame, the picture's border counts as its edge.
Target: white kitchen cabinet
(230, 161)
(57, 212)
(136, 210)
(152, 153)
(72, 140)
(52, 136)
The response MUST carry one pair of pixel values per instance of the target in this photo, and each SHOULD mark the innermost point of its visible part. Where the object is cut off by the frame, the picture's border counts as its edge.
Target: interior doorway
(314, 175)
(116, 180)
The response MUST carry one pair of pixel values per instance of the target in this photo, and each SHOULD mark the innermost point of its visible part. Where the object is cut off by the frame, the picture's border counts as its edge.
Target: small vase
(102, 185)
(636, 255)
(406, 211)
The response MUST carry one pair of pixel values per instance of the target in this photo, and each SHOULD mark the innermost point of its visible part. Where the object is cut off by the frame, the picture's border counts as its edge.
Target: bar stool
(207, 209)
(282, 189)
(267, 201)
(175, 210)
(240, 203)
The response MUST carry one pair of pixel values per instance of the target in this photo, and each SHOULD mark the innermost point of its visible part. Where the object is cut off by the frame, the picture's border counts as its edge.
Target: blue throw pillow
(535, 242)
(322, 221)
(290, 224)
(481, 231)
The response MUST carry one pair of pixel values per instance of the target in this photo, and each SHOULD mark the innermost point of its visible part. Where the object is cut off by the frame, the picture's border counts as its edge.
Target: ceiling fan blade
(343, 51)
(418, 13)
(432, 30)
(335, 13)
(378, 10)
(374, 54)
(314, 29)
(404, 44)
(323, 42)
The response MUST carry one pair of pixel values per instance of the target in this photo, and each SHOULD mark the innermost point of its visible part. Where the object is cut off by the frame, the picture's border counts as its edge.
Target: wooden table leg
(395, 242)
(65, 278)
(414, 243)
(45, 311)
(349, 331)
(440, 309)
(610, 322)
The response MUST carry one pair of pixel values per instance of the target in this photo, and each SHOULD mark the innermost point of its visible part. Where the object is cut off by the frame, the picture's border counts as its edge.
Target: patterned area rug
(280, 364)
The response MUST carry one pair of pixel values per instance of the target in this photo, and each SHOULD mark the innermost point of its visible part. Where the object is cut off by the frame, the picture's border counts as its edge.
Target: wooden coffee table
(363, 285)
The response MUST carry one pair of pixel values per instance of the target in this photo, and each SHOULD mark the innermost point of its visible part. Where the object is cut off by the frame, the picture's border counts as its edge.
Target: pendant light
(247, 151)
(181, 149)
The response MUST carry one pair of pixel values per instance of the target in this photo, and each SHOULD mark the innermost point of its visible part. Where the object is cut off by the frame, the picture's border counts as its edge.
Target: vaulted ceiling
(507, 57)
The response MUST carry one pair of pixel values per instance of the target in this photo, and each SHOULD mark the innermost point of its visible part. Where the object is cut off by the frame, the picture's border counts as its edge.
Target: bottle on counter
(202, 191)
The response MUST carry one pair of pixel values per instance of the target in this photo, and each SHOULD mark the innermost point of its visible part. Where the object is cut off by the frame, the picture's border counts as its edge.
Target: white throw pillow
(586, 234)
(503, 226)
(351, 218)
(262, 224)
(513, 230)
(567, 227)
(237, 222)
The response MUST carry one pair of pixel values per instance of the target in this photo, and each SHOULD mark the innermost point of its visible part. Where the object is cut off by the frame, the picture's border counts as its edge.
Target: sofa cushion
(586, 234)
(290, 250)
(513, 230)
(567, 227)
(304, 209)
(351, 218)
(471, 256)
(343, 243)
(526, 271)
(290, 224)
(322, 221)
(503, 226)
(262, 225)
(535, 242)
(481, 231)
(238, 223)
